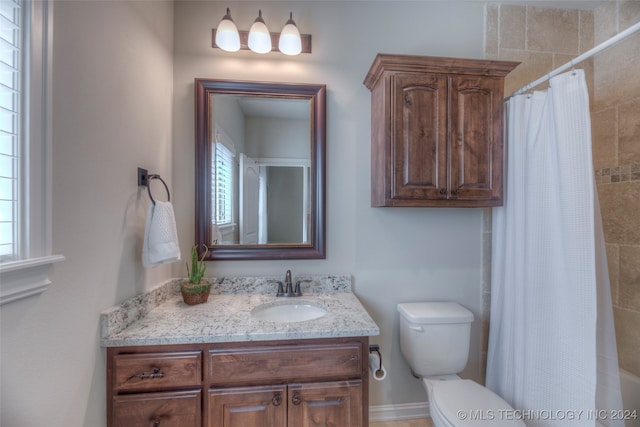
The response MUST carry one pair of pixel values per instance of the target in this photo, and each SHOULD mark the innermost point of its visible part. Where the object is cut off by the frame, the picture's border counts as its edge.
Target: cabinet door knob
(296, 399)
(443, 191)
(156, 423)
(456, 192)
(277, 399)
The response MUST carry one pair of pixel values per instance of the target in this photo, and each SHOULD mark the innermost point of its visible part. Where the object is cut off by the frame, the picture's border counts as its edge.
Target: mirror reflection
(260, 169)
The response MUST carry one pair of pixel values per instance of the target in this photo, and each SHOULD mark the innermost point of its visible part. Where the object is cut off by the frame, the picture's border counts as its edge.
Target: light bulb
(290, 43)
(227, 37)
(259, 37)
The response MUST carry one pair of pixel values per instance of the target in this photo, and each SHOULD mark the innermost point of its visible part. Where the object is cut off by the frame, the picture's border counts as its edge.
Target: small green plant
(198, 266)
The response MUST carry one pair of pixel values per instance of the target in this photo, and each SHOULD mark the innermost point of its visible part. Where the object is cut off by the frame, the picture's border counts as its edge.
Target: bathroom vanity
(217, 364)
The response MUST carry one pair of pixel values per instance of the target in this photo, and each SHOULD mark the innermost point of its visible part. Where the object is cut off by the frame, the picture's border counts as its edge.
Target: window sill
(25, 278)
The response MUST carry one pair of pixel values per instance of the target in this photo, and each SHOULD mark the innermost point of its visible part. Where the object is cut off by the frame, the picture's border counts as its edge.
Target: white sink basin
(288, 311)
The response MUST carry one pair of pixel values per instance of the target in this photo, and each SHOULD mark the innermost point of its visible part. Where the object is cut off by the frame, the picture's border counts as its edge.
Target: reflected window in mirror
(223, 179)
(260, 169)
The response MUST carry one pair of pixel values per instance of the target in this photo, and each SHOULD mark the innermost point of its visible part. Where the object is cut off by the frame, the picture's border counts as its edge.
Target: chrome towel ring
(143, 179)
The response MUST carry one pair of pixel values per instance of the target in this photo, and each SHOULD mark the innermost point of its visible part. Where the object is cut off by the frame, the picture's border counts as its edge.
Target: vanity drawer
(172, 409)
(285, 363)
(157, 371)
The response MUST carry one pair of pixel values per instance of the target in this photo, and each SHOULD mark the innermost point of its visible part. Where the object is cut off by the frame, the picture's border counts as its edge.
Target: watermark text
(544, 414)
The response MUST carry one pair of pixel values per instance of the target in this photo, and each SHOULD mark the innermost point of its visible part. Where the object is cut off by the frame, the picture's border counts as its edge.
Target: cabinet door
(170, 409)
(476, 139)
(326, 404)
(263, 406)
(419, 137)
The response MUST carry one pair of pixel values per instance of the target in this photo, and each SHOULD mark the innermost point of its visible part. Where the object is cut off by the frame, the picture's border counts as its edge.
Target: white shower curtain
(547, 315)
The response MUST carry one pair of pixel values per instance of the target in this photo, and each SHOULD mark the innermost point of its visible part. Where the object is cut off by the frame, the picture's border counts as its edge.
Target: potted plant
(195, 290)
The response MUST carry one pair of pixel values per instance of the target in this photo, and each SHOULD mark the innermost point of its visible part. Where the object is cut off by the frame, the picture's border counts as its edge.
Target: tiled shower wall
(615, 120)
(543, 39)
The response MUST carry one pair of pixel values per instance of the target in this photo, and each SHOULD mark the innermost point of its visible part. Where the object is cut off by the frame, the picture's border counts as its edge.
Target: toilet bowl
(434, 340)
(465, 403)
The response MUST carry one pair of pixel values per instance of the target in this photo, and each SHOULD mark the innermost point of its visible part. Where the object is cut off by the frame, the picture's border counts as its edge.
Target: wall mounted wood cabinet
(436, 131)
(299, 383)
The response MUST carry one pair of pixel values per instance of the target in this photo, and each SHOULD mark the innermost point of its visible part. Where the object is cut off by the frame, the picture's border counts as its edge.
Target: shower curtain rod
(613, 40)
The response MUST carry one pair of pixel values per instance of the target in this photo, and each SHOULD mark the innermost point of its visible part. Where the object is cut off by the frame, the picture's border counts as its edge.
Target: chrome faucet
(288, 290)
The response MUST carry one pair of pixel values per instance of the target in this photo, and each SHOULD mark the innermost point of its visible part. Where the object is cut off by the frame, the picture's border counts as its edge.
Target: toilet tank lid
(435, 312)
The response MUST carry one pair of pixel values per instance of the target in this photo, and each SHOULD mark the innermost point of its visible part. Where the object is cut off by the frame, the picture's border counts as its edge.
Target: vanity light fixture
(290, 43)
(258, 39)
(227, 37)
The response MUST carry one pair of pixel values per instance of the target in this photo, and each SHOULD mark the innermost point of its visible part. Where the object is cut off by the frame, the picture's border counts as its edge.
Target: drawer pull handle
(154, 374)
(277, 399)
(296, 399)
(156, 422)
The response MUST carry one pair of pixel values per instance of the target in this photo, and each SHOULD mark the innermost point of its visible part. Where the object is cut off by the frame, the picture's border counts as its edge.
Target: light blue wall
(123, 97)
(111, 112)
(394, 254)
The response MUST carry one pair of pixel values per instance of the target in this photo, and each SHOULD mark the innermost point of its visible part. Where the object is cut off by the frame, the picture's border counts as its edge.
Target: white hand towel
(160, 243)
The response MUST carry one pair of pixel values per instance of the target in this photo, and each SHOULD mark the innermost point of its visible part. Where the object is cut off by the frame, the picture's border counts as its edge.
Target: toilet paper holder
(376, 348)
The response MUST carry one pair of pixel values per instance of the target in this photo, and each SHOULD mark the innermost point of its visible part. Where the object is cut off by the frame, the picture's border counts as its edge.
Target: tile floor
(426, 422)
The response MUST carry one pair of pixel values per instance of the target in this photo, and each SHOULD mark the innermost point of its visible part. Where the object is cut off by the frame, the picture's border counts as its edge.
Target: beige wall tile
(628, 338)
(617, 79)
(553, 30)
(487, 220)
(628, 13)
(491, 29)
(513, 24)
(533, 66)
(629, 286)
(586, 30)
(620, 204)
(604, 137)
(629, 132)
(605, 20)
(561, 59)
(484, 340)
(617, 88)
(613, 263)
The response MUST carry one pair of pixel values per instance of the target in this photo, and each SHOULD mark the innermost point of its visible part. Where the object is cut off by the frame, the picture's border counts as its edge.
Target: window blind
(10, 125)
(222, 172)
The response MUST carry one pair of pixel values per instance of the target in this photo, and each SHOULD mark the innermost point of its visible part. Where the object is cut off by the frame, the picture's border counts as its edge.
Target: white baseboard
(405, 411)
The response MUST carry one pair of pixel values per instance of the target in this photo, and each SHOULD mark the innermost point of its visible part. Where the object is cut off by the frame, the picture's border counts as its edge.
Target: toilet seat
(465, 403)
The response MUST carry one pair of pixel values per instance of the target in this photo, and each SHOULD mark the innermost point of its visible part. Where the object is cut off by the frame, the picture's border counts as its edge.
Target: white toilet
(434, 340)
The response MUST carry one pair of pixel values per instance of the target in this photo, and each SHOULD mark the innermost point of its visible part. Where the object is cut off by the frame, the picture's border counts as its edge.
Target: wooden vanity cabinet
(318, 383)
(154, 386)
(296, 383)
(436, 131)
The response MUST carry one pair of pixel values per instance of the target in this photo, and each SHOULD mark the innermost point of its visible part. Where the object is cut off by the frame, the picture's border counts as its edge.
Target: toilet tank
(434, 337)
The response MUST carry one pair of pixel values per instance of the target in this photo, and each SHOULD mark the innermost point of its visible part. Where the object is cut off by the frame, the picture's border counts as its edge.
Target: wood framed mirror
(260, 170)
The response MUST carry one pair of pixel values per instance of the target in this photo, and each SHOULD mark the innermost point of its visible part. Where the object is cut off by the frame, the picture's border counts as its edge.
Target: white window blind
(26, 40)
(10, 126)
(222, 173)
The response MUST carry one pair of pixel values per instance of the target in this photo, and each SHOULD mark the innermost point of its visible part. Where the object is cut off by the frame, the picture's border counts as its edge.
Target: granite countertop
(161, 317)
